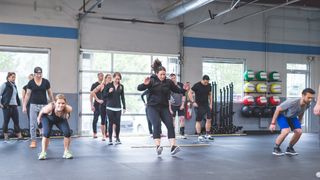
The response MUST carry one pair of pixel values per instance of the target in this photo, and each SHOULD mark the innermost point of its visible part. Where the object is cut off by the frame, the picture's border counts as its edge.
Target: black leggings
(114, 118)
(62, 124)
(149, 122)
(99, 110)
(10, 111)
(158, 114)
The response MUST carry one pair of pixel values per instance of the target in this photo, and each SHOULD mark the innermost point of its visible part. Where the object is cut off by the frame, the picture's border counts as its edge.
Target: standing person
(158, 104)
(188, 104)
(96, 93)
(288, 115)
(37, 90)
(9, 102)
(203, 106)
(316, 109)
(146, 93)
(58, 113)
(95, 107)
(114, 92)
(177, 104)
(24, 91)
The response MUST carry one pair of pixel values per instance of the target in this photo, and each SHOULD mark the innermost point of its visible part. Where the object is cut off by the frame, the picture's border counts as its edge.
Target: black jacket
(113, 98)
(7, 94)
(159, 91)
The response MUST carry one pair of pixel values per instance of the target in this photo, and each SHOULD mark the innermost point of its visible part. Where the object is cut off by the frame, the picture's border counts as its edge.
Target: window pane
(87, 79)
(86, 108)
(134, 104)
(224, 74)
(131, 82)
(295, 84)
(22, 63)
(132, 63)
(296, 67)
(95, 61)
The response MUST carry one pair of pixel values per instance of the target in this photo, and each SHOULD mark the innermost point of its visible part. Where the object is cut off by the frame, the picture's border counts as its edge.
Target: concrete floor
(227, 158)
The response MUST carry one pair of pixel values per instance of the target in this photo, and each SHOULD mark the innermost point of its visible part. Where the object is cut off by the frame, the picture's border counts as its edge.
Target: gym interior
(257, 53)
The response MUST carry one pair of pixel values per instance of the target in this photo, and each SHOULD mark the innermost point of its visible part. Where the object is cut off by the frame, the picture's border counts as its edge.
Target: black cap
(37, 70)
(205, 77)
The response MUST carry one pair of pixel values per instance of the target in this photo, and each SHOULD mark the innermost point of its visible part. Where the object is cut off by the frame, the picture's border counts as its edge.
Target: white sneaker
(209, 137)
(201, 139)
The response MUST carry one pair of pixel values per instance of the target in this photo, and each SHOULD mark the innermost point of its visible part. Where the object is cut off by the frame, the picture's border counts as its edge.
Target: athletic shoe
(110, 143)
(95, 136)
(183, 137)
(151, 135)
(209, 137)
(67, 155)
(33, 144)
(201, 139)
(277, 151)
(291, 151)
(159, 150)
(117, 142)
(42, 156)
(175, 150)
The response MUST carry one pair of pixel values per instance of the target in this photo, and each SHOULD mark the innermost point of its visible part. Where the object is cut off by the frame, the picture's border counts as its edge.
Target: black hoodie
(159, 91)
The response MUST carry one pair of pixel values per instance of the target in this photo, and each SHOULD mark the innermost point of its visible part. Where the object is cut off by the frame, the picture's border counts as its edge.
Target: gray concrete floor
(227, 158)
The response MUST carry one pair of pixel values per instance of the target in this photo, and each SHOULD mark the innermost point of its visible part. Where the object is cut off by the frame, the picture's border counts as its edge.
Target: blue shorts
(284, 122)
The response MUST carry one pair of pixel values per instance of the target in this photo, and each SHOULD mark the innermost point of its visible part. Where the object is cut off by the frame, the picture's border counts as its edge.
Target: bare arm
(45, 110)
(23, 95)
(50, 94)
(316, 109)
(26, 100)
(93, 94)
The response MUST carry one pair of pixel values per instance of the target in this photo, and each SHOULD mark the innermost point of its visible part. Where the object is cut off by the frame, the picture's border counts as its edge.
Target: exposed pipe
(212, 16)
(83, 7)
(132, 20)
(90, 9)
(181, 8)
(263, 11)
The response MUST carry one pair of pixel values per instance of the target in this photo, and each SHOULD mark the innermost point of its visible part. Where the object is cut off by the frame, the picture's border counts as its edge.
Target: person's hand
(272, 127)
(1, 106)
(100, 101)
(93, 109)
(316, 109)
(171, 112)
(38, 120)
(194, 104)
(182, 107)
(110, 90)
(146, 81)
(124, 111)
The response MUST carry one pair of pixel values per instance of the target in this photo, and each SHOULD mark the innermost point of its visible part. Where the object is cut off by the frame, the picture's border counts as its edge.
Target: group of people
(165, 98)
(35, 103)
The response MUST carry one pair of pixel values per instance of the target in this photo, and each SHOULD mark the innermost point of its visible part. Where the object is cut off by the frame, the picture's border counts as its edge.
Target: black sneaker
(117, 142)
(291, 151)
(110, 143)
(175, 150)
(159, 150)
(277, 151)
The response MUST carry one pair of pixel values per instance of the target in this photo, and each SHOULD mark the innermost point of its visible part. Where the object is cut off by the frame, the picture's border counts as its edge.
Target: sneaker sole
(176, 151)
(291, 154)
(277, 154)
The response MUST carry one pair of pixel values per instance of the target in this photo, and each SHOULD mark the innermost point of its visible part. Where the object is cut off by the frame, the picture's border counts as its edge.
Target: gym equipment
(275, 88)
(257, 112)
(248, 100)
(261, 87)
(274, 76)
(248, 75)
(267, 112)
(224, 117)
(249, 87)
(261, 76)
(274, 100)
(246, 111)
(261, 101)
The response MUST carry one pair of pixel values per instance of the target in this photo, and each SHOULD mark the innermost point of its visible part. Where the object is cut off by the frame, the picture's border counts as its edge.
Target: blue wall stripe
(38, 30)
(249, 46)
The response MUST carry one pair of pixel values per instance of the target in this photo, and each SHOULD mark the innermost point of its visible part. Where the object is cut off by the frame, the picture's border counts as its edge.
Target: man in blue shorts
(289, 115)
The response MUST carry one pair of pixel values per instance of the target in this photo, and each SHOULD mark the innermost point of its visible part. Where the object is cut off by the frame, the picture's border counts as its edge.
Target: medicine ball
(261, 101)
(249, 87)
(246, 111)
(275, 88)
(267, 112)
(257, 112)
(274, 100)
(261, 87)
(248, 100)
(261, 76)
(274, 76)
(248, 75)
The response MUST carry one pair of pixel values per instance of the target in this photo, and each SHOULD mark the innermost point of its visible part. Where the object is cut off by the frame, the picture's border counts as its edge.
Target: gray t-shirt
(292, 108)
(176, 98)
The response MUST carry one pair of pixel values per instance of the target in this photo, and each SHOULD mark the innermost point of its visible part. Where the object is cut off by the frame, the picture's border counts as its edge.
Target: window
(22, 61)
(224, 71)
(134, 67)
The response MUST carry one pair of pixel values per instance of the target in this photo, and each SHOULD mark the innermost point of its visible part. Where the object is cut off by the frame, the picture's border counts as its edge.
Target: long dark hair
(157, 66)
